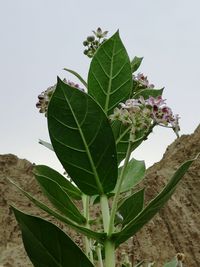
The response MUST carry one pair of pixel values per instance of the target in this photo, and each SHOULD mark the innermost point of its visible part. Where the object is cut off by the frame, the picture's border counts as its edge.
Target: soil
(176, 228)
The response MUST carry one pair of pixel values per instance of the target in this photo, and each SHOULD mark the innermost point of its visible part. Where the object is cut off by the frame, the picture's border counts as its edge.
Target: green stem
(98, 250)
(109, 253)
(118, 187)
(123, 134)
(108, 244)
(105, 212)
(88, 251)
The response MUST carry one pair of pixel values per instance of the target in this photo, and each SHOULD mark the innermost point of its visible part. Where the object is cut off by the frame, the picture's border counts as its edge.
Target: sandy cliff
(175, 229)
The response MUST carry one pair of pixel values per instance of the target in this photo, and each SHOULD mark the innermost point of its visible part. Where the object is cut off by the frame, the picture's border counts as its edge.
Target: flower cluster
(142, 80)
(45, 96)
(94, 41)
(141, 114)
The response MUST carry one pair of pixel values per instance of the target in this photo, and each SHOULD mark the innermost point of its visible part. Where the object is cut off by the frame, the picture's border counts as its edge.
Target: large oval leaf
(134, 173)
(47, 245)
(110, 74)
(82, 139)
(153, 207)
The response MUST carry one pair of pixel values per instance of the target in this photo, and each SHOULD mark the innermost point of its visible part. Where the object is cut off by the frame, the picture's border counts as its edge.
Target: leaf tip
(58, 79)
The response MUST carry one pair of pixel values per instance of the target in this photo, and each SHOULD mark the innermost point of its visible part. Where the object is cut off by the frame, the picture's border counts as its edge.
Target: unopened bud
(96, 42)
(38, 105)
(41, 97)
(90, 38)
(85, 43)
(85, 52)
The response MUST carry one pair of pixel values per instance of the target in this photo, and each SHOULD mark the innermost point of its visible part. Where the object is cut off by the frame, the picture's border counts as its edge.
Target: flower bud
(96, 42)
(41, 97)
(85, 52)
(90, 38)
(85, 43)
(38, 105)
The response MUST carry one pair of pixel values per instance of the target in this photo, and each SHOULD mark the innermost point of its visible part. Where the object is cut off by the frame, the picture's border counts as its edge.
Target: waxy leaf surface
(59, 198)
(82, 139)
(134, 173)
(47, 245)
(131, 207)
(89, 233)
(135, 63)
(153, 207)
(67, 186)
(110, 75)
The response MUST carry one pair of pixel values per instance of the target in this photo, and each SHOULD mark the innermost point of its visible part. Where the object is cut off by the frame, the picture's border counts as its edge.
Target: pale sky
(41, 37)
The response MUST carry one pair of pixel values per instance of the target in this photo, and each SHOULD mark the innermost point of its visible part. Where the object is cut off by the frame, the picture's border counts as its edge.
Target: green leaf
(89, 233)
(135, 63)
(110, 75)
(66, 185)
(58, 197)
(153, 207)
(47, 245)
(77, 76)
(131, 207)
(82, 138)
(46, 144)
(134, 173)
(146, 93)
(122, 135)
(172, 263)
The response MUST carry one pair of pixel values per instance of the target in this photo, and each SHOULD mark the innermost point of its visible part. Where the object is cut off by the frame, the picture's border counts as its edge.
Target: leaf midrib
(106, 107)
(41, 244)
(86, 147)
(75, 214)
(55, 214)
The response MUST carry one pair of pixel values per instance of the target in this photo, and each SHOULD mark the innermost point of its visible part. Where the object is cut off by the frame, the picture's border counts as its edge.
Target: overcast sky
(39, 38)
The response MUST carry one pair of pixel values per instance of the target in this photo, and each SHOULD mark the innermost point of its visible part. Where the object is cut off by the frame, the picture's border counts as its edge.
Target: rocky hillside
(175, 229)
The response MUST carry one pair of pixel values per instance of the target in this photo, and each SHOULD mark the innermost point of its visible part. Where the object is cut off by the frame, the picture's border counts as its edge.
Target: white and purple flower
(142, 113)
(45, 96)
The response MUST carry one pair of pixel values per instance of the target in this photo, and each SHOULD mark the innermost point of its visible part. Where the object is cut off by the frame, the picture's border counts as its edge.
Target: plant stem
(88, 251)
(98, 250)
(118, 187)
(105, 212)
(108, 244)
(109, 253)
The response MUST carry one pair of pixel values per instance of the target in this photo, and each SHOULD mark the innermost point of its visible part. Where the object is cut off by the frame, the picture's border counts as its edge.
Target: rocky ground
(175, 229)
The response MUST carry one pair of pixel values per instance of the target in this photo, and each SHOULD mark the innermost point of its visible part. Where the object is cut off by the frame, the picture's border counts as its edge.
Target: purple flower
(143, 80)
(45, 96)
(142, 113)
(158, 101)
